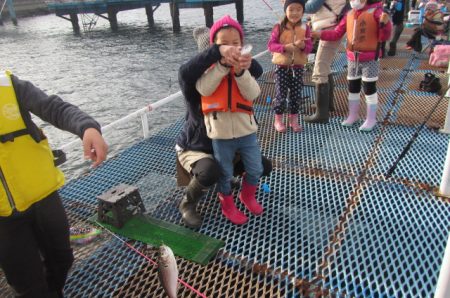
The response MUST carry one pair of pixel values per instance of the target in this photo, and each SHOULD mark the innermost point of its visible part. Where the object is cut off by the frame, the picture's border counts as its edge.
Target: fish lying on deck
(168, 271)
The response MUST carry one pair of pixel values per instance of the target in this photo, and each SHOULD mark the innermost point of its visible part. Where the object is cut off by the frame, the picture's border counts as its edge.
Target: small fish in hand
(168, 271)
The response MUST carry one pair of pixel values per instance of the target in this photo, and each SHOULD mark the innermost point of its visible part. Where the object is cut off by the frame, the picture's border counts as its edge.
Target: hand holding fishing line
(247, 49)
(245, 60)
(384, 19)
(230, 54)
(315, 34)
(300, 44)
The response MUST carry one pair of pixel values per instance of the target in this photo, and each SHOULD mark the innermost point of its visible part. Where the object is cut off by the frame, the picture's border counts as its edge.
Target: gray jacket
(51, 109)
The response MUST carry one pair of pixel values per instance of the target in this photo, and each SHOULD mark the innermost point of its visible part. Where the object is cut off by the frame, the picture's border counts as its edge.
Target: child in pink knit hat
(227, 92)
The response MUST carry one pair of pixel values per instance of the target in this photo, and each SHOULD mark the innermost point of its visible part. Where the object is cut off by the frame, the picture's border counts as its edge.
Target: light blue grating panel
(424, 161)
(393, 244)
(294, 230)
(340, 62)
(331, 147)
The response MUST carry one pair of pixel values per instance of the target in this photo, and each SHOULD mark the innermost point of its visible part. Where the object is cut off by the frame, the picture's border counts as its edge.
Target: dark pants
(207, 170)
(35, 252)
(287, 78)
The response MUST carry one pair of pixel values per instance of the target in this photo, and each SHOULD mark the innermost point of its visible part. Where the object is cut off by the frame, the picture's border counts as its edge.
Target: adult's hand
(315, 34)
(384, 18)
(230, 54)
(245, 61)
(94, 146)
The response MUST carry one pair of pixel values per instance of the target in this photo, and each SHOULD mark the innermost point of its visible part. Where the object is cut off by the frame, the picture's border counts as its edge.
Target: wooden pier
(108, 9)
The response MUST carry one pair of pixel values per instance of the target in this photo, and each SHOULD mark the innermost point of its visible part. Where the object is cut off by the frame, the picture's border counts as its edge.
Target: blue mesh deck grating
(333, 224)
(389, 248)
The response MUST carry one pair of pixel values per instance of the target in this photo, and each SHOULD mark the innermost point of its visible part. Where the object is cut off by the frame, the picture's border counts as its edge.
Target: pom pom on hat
(201, 36)
(225, 22)
(289, 2)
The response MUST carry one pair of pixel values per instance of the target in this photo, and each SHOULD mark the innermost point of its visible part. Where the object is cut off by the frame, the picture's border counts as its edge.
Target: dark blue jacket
(193, 135)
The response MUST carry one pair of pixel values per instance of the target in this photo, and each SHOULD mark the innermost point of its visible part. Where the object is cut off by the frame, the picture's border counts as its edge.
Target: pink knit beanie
(225, 22)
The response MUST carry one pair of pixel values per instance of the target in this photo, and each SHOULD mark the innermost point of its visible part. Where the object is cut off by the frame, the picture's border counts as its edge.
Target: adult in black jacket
(196, 166)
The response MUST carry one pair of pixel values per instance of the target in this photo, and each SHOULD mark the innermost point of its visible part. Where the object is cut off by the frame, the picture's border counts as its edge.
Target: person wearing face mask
(326, 14)
(367, 26)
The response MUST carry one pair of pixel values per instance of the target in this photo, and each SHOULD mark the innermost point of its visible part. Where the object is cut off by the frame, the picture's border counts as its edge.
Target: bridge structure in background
(108, 9)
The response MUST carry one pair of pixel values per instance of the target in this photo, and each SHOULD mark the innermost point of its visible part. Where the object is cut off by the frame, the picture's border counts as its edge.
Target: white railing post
(444, 188)
(446, 128)
(145, 128)
(443, 284)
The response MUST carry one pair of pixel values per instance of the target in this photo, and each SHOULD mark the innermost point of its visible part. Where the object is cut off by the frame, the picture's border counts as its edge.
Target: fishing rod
(415, 135)
(273, 11)
(150, 260)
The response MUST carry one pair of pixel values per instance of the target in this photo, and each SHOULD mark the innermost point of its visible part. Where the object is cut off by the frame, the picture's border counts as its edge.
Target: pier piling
(112, 17)
(110, 8)
(209, 14)
(74, 21)
(149, 12)
(175, 13)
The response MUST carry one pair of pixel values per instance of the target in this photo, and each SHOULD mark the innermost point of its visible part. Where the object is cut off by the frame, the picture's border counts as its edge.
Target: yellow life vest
(289, 35)
(227, 97)
(362, 32)
(27, 170)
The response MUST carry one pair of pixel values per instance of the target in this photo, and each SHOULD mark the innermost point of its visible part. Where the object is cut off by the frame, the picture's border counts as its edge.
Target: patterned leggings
(288, 79)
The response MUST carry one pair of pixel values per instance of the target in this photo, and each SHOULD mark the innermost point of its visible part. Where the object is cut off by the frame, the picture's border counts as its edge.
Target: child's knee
(370, 87)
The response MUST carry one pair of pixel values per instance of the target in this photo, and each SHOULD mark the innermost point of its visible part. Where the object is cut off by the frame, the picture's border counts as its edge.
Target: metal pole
(127, 118)
(446, 128)
(145, 128)
(443, 285)
(444, 188)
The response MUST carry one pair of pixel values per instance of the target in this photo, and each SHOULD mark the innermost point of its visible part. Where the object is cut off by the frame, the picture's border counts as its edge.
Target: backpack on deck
(430, 83)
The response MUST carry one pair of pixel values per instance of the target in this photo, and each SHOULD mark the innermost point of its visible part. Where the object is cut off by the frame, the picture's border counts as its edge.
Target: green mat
(183, 242)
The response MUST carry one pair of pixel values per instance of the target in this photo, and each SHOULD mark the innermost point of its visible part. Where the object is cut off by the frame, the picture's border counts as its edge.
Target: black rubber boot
(392, 49)
(194, 192)
(330, 95)
(322, 105)
(393, 44)
(331, 107)
(383, 49)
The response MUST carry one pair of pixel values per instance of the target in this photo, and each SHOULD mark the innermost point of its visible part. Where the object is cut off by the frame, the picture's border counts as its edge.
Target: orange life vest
(362, 32)
(227, 97)
(289, 35)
